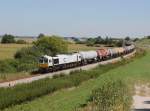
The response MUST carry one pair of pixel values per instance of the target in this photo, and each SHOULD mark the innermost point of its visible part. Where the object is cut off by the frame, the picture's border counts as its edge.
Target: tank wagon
(64, 61)
(88, 56)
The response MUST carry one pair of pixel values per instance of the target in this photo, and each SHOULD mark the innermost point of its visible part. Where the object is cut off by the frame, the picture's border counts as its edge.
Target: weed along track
(67, 71)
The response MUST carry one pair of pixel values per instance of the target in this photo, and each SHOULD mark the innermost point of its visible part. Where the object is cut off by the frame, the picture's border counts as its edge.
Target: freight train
(65, 61)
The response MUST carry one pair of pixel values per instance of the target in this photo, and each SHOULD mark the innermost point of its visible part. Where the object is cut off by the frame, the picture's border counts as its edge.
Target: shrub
(26, 67)
(27, 58)
(148, 37)
(21, 42)
(112, 95)
(28, 52)
(7, 66)
(40, 35)
(51, 45)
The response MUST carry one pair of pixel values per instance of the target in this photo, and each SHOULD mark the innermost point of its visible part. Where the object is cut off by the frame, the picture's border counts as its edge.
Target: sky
(81, 18)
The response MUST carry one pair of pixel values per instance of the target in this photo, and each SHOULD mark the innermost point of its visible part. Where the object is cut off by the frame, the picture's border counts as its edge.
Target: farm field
(135, 72)
(7, 51)
(145, 43)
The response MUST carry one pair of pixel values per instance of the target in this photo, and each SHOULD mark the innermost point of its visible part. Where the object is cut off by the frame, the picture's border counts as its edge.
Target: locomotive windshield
(40, 60)
(43, 60)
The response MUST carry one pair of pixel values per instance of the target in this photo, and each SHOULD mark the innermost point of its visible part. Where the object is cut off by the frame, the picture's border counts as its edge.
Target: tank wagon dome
(88, 54)
(111, 52)
(120, 49)
(102, 52)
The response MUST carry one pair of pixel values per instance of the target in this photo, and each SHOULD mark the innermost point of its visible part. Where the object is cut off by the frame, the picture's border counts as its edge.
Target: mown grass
(71, 99)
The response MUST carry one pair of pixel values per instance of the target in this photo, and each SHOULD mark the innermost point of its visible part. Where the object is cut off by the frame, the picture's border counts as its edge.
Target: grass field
(70, 99)
(8, 50)
(145, 43)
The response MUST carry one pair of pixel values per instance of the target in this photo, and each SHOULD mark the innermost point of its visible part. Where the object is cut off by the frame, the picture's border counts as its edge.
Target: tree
(106, 40)
(136, 39)
(8, 39)
(119, 43)
(52, 45)
(90, 41)
(40, 35)
(127, 38)
(99, 40)
(148, 37)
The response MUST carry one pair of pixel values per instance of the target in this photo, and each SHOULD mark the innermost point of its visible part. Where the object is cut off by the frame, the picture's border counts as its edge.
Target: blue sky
(116, 18)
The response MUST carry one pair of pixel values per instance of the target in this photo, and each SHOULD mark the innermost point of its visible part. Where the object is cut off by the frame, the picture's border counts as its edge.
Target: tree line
(8, 38)
(108, 41)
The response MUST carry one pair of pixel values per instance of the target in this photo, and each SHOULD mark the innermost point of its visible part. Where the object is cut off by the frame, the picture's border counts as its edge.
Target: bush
(112, 95)
(148, 37)
(8, 66)
(40, 35)
(28, 52)
(21, 42)
(26, 67)
(51, 45)
(119, 43)
(8, 39)
(27, 58)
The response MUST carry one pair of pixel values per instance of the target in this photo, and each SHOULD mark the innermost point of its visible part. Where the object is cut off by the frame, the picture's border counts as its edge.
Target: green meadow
(135, 72)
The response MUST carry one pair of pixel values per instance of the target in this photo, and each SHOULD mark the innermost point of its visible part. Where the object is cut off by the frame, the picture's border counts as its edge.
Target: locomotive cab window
(56, 61)
(45, 60)
(41, 60)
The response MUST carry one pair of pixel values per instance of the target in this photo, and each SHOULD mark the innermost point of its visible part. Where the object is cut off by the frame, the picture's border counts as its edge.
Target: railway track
(67, 71)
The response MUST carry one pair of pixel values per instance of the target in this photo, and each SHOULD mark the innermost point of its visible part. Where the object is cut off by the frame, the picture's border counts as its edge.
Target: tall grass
(112, 96)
